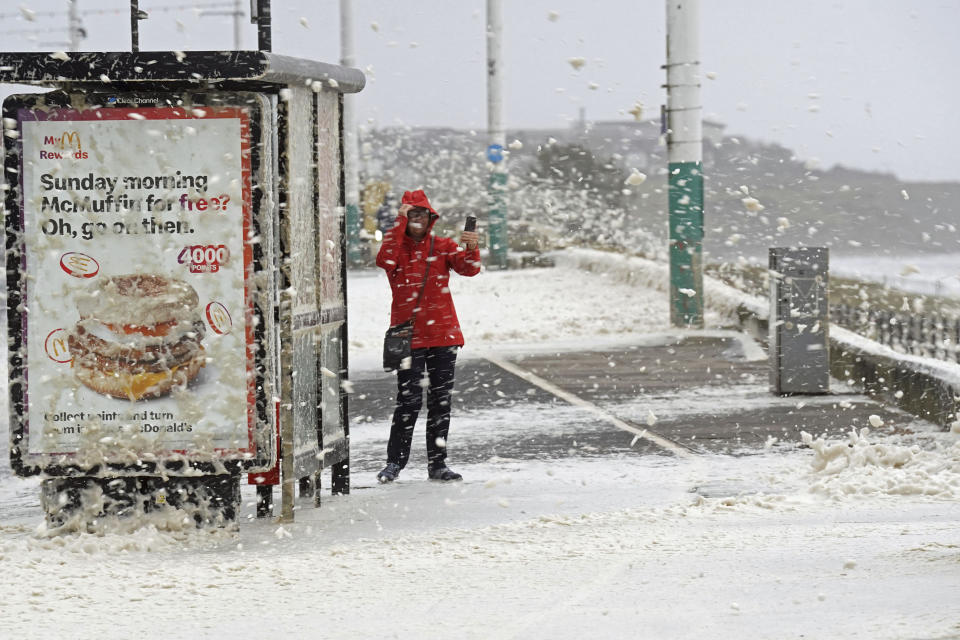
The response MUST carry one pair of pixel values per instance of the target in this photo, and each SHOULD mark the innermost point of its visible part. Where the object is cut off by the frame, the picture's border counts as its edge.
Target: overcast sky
(864, 83)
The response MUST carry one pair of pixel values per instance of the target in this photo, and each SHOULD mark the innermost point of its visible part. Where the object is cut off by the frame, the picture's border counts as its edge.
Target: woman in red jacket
(404, 255)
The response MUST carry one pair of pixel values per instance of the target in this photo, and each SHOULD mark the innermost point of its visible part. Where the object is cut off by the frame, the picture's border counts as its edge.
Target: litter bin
(799, 320)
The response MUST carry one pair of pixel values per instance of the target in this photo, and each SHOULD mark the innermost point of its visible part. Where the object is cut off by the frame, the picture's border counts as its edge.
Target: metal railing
(931, 335)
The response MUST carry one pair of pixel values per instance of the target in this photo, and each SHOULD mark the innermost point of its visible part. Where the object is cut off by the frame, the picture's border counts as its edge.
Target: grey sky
(864, 83)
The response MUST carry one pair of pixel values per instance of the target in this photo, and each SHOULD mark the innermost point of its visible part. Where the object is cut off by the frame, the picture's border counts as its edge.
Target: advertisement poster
(137, 281)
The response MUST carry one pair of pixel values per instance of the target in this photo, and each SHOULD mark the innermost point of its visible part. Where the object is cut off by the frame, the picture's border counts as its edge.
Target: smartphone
(471, 224)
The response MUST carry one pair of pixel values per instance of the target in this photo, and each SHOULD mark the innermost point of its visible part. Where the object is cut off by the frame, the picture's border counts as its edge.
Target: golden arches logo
(219, 318)
(57, 347)
(71, 137)
(67, 140)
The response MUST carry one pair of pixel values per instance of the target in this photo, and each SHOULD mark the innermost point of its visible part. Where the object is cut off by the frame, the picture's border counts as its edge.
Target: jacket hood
(418, 199)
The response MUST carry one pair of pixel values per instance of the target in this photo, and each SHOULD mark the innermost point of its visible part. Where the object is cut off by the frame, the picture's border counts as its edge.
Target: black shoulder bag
(398, 343)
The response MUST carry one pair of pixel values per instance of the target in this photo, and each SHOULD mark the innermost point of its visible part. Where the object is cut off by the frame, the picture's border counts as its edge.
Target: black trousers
(431, 369)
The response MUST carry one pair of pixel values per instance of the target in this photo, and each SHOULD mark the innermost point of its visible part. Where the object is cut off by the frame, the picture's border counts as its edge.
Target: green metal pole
(354, 248)
(497, 221)
(686, 244)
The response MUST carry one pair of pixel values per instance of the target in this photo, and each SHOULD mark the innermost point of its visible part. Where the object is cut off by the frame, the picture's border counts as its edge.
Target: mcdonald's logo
(68, 145)
(79, 265)
(67, 140)
(56, 346)
(219, 318)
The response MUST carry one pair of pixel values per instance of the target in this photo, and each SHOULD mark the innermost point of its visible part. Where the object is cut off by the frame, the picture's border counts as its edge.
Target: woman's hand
(404, 208)
(471, 239)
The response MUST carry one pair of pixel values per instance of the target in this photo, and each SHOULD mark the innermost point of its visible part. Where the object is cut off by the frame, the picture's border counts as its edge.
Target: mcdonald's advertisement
(137, 282)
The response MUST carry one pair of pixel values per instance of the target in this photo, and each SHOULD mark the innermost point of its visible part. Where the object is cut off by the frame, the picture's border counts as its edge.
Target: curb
(924, 387)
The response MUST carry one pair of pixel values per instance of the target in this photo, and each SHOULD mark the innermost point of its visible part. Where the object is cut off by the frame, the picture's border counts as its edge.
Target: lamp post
(351, 149)
(496, 138)
(685, 158)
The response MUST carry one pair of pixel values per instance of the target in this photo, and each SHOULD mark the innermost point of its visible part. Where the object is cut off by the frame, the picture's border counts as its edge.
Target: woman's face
(417, 220)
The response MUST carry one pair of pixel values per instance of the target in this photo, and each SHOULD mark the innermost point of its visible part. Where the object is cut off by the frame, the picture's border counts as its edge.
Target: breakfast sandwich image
(139, 336)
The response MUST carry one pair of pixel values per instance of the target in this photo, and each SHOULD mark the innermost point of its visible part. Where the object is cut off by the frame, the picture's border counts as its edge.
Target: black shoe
(444, 474)
(389, 473)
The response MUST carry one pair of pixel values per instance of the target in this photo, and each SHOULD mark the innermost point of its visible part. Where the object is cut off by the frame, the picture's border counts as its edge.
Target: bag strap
(413, 318)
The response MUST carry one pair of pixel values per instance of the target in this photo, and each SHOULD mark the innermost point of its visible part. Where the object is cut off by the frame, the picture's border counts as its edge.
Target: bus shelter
(175, 277)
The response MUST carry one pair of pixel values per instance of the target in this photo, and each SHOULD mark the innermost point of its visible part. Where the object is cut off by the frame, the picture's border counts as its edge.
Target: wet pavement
(701, 392)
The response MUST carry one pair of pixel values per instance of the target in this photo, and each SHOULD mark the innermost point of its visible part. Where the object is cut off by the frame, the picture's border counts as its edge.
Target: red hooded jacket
(405, 262)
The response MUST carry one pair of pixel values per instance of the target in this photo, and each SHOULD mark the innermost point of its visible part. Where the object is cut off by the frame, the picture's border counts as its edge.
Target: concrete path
(669, 395)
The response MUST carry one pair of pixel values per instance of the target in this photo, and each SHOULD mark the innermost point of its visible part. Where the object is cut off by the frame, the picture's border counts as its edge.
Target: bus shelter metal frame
(208, 72)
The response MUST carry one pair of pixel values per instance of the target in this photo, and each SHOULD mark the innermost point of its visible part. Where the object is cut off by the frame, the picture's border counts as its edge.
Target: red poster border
(202, 112)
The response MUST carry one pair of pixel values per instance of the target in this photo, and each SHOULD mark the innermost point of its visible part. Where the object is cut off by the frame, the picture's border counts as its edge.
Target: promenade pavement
(666, 394)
